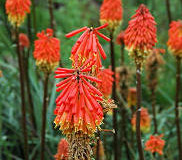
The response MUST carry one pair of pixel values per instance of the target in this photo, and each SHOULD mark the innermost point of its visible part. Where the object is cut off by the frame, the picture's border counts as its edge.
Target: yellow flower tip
(45, 66)
(16, 20)
(113, 24)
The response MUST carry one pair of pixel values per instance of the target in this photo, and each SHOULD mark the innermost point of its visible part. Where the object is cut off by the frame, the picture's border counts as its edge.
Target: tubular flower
(62, 150)
(155, 144)
(88, 46)
(47, 51)
(132, 97)
(16, 10)
(111, 12)
(140, 36)
(23, 41)
(105, 75)
(77, 108)
(175, 38)
(120, 38)
(144, 121)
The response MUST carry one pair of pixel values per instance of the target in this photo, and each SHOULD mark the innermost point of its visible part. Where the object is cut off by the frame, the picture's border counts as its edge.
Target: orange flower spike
(88, 46)
(62, 150)
(144, 121)
(23, 41)
(77, 107)
(111, 12)
(105, 75)
(140, 36)
(155, 144)
(47, 51)
(17, 10)
(175, 38)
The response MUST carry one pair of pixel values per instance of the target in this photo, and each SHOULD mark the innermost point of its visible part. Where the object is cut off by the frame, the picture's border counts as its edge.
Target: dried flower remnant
(111, 12)
(88, 46)
(144, 121)
(101, 150)
(47, 51)
(17, 10)
(105, 75)
(140, 36)
(132, 97)
(23, 41)
(175, 38)
(155, 144)
(62, 150)
(77, 108)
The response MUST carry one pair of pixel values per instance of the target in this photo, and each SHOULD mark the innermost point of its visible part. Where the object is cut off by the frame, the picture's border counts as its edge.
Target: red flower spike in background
(175, 38)
(47, 51)
(17, 10)
(105, 75)
(144, 121)
(132, 97)
(120, 38)
(111, 12)
(62, 150)
(88, 46)
(140, 36)
(23, 41)
(77, 108)
(155, 144)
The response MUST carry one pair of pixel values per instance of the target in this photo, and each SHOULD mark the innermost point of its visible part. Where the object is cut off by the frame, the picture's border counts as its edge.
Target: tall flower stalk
(175, 46)
(47, 55)
(139, 47)
(52, 22)
(16, 15)
(111, 12)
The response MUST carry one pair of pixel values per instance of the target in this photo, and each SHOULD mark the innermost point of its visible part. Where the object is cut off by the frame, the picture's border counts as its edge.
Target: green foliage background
(70, 15)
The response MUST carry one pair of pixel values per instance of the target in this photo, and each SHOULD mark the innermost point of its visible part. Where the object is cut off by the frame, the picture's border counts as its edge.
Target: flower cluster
(62, 150)
(144, 120)
(155, 144)
(111, 12)
(88, 46)
(105, 75)
(175, 38)
(77, 105)
(23, 41)
(132, 97)
(47, 51)
(140, 36)
(16, 10)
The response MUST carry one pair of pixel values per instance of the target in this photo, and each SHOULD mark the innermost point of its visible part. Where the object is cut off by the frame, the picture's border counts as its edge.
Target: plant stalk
(34, 17)
(114, 95)
(168, 11)
(138, 131)
(178, 85)
(52, 22)
(22, 88)
(44, 114)
(98, 147)
(122, 55)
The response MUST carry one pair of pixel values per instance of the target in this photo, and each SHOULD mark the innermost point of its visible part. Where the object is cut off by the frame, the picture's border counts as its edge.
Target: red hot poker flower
(23, 41)
(120, 38)
(105, 75)
(77, 108)
(16, 10)
(140, 36)
(62, 150)
(155, 144)
(144, 121)
(175, 38)
(88, 46)
(47, 51)
(111, 12)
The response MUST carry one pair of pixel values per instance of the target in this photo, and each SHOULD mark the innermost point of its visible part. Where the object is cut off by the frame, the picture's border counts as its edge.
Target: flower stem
(168, 11)
(51, 16)
(114, 95)
(178, 65)
(22, 85)
(122, 55)
(138, 131)
(44, 114)
(34, 17)
(154, 110)
(98, 147)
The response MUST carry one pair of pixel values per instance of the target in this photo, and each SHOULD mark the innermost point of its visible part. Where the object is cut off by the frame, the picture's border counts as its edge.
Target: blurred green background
(70, 15)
